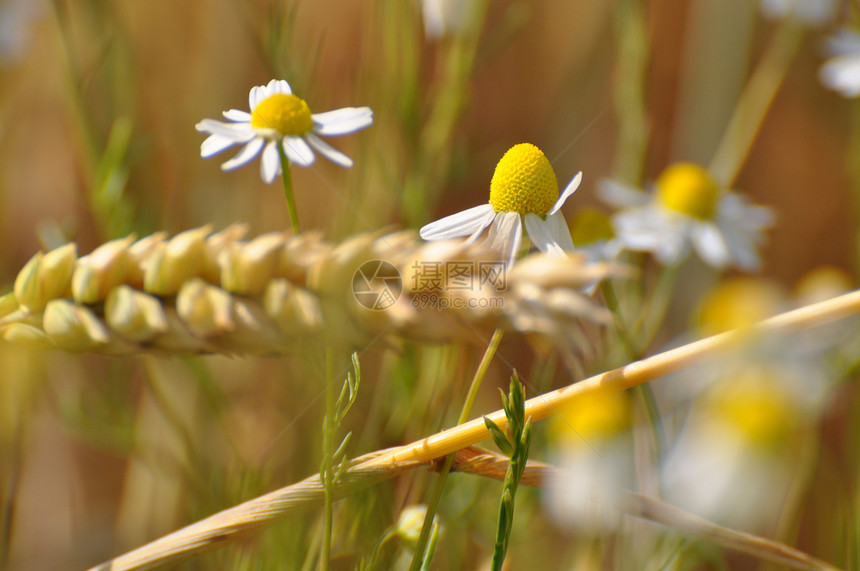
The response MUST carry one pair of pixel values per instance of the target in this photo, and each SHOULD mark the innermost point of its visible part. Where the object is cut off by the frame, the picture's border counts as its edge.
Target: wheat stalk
(367, 470)
(202, 292)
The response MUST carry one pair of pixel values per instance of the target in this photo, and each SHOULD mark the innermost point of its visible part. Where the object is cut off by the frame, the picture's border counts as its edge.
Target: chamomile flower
(523, 190)
(733, 460)
(592, 446)
(278, 116)
(689, 209)
(842, 71)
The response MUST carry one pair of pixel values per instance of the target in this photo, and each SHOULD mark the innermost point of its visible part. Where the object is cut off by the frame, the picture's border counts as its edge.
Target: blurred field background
(98, 104)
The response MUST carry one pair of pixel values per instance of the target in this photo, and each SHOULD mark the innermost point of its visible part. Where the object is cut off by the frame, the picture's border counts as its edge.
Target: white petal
(298, 151)
(736, 209)
(742, 242)
(271, 88)
(842, 74)
(743, 252)
(244, 156)
(470, 221)
(642, 227)
(342, 121)
(270, 164)
(257, 94)
(620, 195)
(570, 189)
(214, 144)
(540, 235)
(710, 245)
(649, 229)
(279, 86)
(328, 151)
(506, 234)
(238, 116)
(238, 132)
(560, 231)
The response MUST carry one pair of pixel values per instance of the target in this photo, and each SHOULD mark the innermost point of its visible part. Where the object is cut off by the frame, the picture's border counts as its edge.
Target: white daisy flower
(732, 462)
(842, 72)
(524, 190)
(279, 116)
(689, 209)
(592, 446)
(811, 12)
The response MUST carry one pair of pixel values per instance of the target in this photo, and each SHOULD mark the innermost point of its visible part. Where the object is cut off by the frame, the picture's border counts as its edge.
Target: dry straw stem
(760, 547)
(474, 460)
(226, 526)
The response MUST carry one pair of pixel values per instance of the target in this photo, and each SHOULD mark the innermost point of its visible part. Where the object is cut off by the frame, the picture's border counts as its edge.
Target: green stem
(657, 305)
(418, 558)
(631, 68)
(646, 394)
(755, 101)
(287, 179)
(329, 426)
(608, 290)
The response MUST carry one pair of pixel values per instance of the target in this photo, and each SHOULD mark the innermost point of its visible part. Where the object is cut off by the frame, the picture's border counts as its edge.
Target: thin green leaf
(499, 437)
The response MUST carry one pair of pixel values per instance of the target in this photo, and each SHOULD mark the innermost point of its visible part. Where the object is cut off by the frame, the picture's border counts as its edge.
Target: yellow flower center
(284, 114)
(590, 419)
(590, 226)
(738, 303)
(688, 189)
(756, 405)
(524, 182)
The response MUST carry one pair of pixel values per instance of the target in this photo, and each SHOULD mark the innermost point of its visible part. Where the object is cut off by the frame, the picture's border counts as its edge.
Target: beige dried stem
(229, 525)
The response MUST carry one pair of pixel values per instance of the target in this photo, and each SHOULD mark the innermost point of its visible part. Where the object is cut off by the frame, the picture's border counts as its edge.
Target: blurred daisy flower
(812, 12)
(688, 209)
(592, 446)
(523, 190)
(733, 460)
(744, 419)
(842, 71)
(277, 117)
